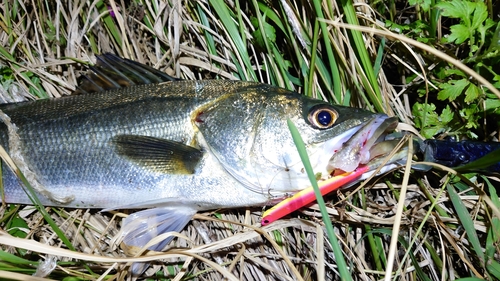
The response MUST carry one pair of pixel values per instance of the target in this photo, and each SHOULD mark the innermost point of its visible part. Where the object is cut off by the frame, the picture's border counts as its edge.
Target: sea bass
(176, 147)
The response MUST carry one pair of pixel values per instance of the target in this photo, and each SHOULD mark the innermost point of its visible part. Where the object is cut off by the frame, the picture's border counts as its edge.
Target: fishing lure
(447, 153)
(307, 196)
(456, 154)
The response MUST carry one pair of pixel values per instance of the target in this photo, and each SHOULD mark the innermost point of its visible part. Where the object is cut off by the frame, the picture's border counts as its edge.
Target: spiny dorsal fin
(112, 72)
(159, 155)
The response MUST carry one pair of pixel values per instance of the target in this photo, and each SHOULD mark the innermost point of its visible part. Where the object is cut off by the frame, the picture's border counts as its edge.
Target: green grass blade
(493, 268)
(337, 251)
(235, 35)
(466, 221)
(371, 86)
(335, 73)
(482, 163)
(13, 259)
(109, 23)
(493, 234)
(380, 56)
(208, 37)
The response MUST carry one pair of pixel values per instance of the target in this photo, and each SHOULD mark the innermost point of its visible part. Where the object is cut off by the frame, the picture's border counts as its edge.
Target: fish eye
(322, 116)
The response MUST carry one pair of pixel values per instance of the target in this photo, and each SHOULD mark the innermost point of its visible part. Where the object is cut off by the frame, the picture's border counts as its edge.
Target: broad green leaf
(18, 227)
(453, 71)
(447, 115)
(457, 9)
(424, 114)
(459, 33)
(431, 131)
(489, 23)
(480, 15)
(471, 116)
(472, 93)
(451, 90)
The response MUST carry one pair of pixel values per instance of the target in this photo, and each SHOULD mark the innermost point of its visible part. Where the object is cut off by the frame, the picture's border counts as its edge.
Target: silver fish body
(240, 128)
(176, 147)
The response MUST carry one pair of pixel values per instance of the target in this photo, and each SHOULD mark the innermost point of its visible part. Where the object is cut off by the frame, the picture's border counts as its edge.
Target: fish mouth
(366, 146)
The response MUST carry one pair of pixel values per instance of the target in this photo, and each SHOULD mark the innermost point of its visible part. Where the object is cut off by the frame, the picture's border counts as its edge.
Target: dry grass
(46, 44)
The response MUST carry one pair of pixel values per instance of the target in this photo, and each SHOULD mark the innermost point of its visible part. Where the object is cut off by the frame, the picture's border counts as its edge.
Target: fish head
(248, 133)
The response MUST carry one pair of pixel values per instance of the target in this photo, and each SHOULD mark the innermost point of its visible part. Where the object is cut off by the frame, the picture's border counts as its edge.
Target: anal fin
(139, 228)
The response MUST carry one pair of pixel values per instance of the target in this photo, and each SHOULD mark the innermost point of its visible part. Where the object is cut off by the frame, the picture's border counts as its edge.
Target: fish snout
(357, 150)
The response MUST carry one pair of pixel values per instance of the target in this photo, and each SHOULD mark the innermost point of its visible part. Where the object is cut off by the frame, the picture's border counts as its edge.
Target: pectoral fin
(139, 228)
(159, 155)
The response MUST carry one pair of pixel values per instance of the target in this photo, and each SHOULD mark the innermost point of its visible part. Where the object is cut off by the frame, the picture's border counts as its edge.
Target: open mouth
(366, 146)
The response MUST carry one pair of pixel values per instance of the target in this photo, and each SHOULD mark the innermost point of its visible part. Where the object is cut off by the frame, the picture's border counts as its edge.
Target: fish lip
(356, 150)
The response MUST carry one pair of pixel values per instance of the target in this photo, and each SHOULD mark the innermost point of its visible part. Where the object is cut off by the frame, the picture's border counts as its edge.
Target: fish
(133, 137)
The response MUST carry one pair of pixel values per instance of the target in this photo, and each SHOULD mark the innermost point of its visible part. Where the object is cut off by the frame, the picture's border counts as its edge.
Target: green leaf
(491, 104)
(396, 27)
(228, 21)
(480, 15)
(472, 93)
(424, 4)
(271, 14)
(428, 121)
(16, 227)
(446, 115)
(489, 23)
(451, 90)
(459, 33)
(471, 116)
(453, 71)
(493, 238)
(423, 111)
(269, 31)
(458, 9)
(493, 235)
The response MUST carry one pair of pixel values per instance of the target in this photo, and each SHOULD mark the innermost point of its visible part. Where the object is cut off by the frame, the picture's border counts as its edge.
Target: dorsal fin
(112, 72)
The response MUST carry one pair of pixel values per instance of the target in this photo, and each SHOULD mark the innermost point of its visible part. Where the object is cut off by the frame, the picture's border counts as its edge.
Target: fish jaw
(356, 150)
